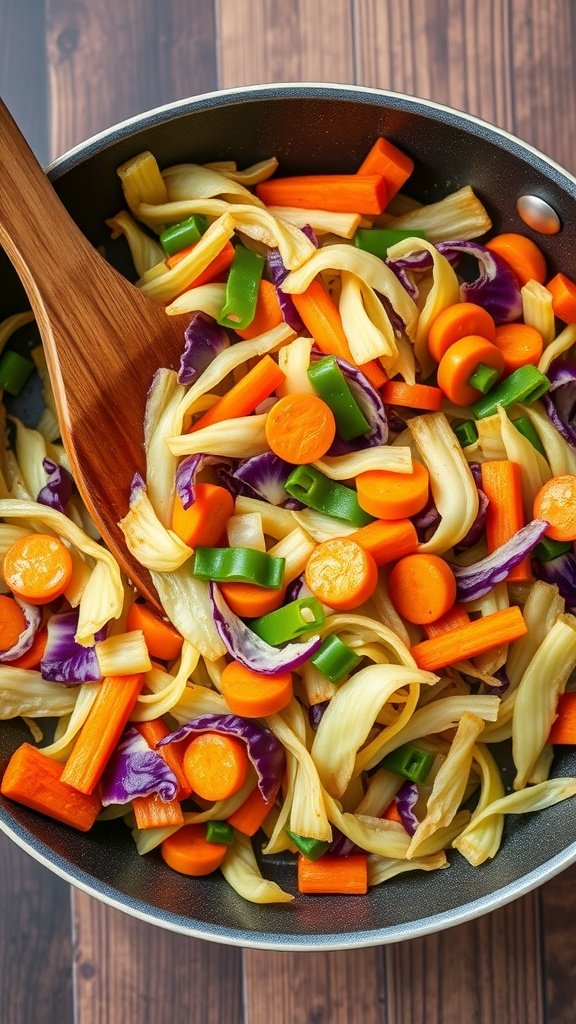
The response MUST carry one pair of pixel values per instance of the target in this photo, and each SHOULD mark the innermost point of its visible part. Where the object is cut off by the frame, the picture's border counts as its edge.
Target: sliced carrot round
(38, 568)
(522, 255)
(249, 601)
(556, 502)
(252, 694)
(341, 573)
(189, 852)
(204, 522)
(422, 588)
(520, 345)
(12, 622)
(300, 428)
(215, 765)
(458, 321)
(459, 363)
(162, 640)
(389, 495)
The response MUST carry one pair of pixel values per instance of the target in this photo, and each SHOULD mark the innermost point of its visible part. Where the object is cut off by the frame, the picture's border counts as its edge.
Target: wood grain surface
(69, 69)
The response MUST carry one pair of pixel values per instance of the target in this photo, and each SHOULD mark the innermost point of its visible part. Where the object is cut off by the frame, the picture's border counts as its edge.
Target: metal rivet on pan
(539, 215)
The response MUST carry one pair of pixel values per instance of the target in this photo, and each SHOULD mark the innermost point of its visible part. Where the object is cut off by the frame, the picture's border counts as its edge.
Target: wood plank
(35, 944)
(22, 31)
(126, 970)
(558, 909)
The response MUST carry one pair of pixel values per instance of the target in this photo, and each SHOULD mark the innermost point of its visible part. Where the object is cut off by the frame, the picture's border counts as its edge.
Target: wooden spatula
(103, 339)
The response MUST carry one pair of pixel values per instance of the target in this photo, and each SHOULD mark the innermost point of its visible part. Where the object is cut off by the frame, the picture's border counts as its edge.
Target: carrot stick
(459, 363)
(502, 484)
(458, 321)
(387, 540)
(249, 601)
(216, 765)
(243, 398)
(34, 655)
(35, 780)
(556, 502)
(204, 522)
(38, 568)
(12, 622)
(468, 641)
(520, 344)
(389, 495)
(453, 619)
(341, 573)
(339, 193)
(253, 695)
(415, 396)
(386, 159)
(563, 291)
(250, 815)
(162, 640)
(157, 730)
(422, 588)
(189, 852)
(300, 428)
(522, 255)
(268, 313)
(322, 319)
(392, 813)
(101, 731)
(346, 875)
(564, 727)
(153, 812)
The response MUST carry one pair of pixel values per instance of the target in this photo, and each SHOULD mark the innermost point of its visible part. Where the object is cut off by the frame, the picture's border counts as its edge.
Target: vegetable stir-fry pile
(359, 514)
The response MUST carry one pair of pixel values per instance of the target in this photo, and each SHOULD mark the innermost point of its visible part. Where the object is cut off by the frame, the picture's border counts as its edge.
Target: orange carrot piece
(162, 640)
(564, 727)
(458, 364)
(34, 655)
(252, 813)
(386, 159)
(387, 541)
(455, 618)
(216, 765)
(414, 396)
(249, 601)
(38, 568)
(422, 588)
(563, 291)
(390, 495)
(502, 485)
(520, 344)
(268, 313)
(322, 319)
(35, 780)
(12, 622)
(339, 193)
(392, 813)
(341, 573)
(458, 321)
(242, 399)
(556, 502)
(220, 263)
(300, 428)
(253, 695)
(188, 851)
(156, 730)
(475, 638)
(522, 255)
(204, 522)
(153, 812)
(101, 731)
(331, 874)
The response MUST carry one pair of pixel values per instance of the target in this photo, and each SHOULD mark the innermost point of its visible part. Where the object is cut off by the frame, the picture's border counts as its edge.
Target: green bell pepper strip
(14, 372)
(335, 659)
(308, 485)
(331, 386)
(186, 232)
(312, 849)
(219, 832)
(409, 761)
(378, 240)
(290, 621)
(525, 384)
(548, 549)
(242, 289)
(528, 430)
(466, 432)
(483, 378)
(238, 565)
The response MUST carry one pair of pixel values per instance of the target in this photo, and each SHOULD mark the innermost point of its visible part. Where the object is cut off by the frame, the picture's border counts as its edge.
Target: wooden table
(67, 70)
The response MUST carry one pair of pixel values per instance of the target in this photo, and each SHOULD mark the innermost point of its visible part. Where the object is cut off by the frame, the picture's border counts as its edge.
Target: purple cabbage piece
(57, 490)
(560, 401)
(187, 471)
(427, 521)
(203, 340)
(496, 691)
(341, 845)
(406, 798)
(560, 571)
(476, 580)
(477, 529)
(316, 713)
(265, 752)
(402, 275)
(137, 484)
(249, 649)
(311, 235)
(278, 272)
(135, 770)
(32, 622)
(496, 288)
(265, 475)
(65, 661)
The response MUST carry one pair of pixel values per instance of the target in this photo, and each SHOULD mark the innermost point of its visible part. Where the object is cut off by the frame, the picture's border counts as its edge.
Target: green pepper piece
(466, 432)
(335, 659)
(14, 372)
(290, 621)
(379, 240)
(312, 849)
(528, 430)
(548, 549)
(409, 761)
(186, 232)
(219, 832)
(242, 289)
(308, 485)
(525, 384)
(483, 378)
(238, 565)
(331, 385)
